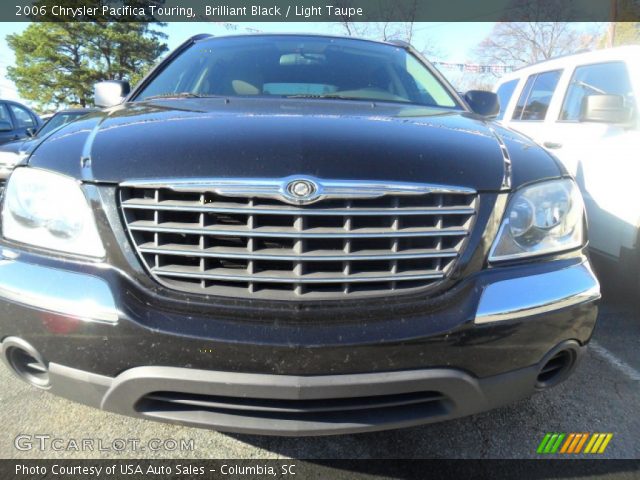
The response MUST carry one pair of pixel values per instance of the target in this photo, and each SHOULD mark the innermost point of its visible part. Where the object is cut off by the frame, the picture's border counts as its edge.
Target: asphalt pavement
(603, 395)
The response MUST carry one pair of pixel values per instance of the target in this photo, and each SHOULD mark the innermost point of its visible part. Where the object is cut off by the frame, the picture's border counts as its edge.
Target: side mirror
(483, 103)
(31, 132)
(604, 109)
(110, 93)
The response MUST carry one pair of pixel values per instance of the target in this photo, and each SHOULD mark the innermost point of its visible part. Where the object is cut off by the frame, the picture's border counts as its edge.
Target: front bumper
(297, 405)
(112, 344)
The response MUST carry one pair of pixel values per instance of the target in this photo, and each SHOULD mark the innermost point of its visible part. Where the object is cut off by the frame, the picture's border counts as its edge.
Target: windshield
(58, 120)
(299, 66)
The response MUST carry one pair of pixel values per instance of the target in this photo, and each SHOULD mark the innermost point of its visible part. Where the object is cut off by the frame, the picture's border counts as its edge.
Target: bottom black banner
(316, 469)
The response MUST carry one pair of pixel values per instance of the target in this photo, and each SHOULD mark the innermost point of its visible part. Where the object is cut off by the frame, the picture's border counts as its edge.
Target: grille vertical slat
(203, 242)
(250, 248)
(156, 235)
(299, 249)
(439, 225)
(346, 266)
(394, 242)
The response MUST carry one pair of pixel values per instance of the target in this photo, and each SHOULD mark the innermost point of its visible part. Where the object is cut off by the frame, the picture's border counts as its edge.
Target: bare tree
(523, 43)
(387, 31)
(533, 37)
(404, 28)
(379, 30)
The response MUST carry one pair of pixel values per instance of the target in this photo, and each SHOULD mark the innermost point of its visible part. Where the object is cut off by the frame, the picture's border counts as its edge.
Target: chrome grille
(229, 242)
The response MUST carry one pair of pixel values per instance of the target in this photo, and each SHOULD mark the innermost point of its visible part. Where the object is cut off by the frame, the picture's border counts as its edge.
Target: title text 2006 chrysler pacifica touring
(293, 235)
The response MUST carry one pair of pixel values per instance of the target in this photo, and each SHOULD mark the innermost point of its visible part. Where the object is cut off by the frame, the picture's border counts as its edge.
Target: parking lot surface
(603, 395)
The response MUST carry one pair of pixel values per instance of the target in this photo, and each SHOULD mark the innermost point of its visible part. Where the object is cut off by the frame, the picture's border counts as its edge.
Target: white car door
(603, 157)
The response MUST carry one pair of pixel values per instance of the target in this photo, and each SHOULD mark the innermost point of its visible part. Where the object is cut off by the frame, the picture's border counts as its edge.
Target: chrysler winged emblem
(302, 190)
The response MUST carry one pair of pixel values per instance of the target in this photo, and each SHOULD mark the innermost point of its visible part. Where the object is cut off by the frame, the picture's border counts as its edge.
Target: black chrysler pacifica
(293, 235)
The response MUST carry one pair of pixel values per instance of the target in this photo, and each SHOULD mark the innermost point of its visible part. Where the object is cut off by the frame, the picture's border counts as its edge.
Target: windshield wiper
(326, 95)
(180, 95)
(346, 97)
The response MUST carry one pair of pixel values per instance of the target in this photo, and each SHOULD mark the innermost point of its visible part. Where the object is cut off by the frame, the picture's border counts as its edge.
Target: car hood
(247, 138)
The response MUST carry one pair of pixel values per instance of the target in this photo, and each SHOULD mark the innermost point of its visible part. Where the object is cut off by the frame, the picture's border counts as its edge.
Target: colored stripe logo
(574, 443)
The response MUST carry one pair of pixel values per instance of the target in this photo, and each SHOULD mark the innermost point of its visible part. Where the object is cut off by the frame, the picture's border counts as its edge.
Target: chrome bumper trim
(537, 294)
(67, 293)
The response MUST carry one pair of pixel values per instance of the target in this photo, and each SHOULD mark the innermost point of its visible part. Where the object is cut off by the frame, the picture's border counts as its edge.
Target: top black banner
(319, 10)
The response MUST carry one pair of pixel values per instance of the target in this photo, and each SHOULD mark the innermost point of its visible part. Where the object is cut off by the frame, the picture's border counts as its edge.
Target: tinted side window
(603, 78)
(5, 119)
(22, 116)
(504, 94)
(522, 100)
(536, 96)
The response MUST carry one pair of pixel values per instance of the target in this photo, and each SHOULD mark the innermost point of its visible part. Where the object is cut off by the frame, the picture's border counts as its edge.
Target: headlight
(543, 218)
(49, 210)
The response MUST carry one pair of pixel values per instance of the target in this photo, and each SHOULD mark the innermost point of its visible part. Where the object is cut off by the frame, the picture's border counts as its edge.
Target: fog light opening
(556, 369)
(26, 362)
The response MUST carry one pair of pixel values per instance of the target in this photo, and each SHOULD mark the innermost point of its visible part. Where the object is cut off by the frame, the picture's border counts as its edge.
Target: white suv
(583, 109)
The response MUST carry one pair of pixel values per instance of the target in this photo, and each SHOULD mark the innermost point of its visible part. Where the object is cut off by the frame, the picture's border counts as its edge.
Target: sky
(454, 40)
